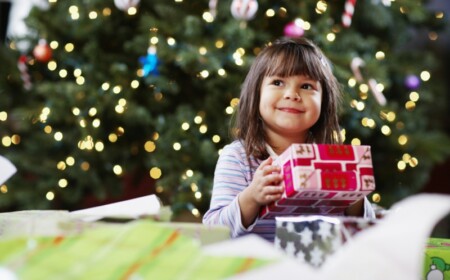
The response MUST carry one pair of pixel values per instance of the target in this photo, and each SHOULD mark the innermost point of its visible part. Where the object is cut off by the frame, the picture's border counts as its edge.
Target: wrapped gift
(437, 259)
(204, 234)
(309, 239)
(141, 249)
(350, 226)
(312, 239)
(322, 179)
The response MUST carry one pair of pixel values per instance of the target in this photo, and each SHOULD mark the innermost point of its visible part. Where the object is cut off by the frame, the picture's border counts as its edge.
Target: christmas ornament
(213, 7)
(244, 9)
(386, 3)
(355, 65)
(42, 52)
(349, 9)
(124, 5)
(150, 62)
(24, 75)
(379, 96)
(412, 82)
(294, 29)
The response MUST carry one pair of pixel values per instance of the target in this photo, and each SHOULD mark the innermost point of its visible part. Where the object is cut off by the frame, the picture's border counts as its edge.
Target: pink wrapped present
(322, 179)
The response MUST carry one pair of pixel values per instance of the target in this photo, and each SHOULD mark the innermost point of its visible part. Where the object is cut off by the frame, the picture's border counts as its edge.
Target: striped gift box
(322, 179)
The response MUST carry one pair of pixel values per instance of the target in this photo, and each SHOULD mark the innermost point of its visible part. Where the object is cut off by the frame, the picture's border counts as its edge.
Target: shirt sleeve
(232, 175)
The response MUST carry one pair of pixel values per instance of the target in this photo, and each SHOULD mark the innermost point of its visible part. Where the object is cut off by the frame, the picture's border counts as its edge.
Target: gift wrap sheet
(140, 249)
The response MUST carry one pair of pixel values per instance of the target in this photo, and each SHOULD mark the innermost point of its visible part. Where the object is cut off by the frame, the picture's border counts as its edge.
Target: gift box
(351, 226)
(437, 259)
(322, 179)
(312, 239)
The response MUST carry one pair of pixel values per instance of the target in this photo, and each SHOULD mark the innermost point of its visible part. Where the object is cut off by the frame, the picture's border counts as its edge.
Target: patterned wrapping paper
(140, 249)
(437, 259)
(350, 226)
(322, 179)
(29, 223)
(312, 239)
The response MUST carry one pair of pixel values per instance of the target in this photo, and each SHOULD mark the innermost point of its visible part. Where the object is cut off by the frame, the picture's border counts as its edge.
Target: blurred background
(102, 101)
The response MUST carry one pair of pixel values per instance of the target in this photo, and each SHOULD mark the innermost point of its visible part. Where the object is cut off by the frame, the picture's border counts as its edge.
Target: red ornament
(42, 52)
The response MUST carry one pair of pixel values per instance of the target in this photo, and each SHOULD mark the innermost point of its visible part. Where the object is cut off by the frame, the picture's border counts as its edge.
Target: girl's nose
(292, 94)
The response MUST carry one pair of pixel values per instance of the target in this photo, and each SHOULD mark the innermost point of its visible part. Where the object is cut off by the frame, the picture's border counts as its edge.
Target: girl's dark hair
(287, 57)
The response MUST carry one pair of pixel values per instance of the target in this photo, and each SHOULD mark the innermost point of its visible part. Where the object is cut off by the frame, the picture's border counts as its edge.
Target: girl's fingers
(273, 190)
(273, 179)
(273, 197)
(267, 168)
(266, 162)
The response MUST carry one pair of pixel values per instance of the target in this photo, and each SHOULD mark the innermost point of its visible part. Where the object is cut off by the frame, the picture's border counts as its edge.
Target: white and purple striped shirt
(232, 175)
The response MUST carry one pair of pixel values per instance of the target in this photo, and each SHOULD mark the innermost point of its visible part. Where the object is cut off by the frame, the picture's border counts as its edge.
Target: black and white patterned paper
(310, 239)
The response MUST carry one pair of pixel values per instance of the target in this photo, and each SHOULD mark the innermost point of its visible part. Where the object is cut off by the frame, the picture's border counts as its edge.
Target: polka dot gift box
(322, 179)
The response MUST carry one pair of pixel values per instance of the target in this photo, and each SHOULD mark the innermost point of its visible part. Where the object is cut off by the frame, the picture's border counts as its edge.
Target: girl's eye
(277, 82)
(307, 86)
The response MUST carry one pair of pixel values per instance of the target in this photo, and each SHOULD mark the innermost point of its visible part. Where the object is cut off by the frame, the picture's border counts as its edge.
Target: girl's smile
(291, 110)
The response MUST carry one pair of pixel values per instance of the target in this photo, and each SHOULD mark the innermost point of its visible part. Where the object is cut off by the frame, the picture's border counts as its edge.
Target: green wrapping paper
(136, 250)
(437, 259)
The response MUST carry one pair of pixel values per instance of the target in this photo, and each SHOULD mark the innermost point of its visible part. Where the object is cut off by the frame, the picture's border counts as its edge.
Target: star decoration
(290, 227)
(307, 236)
(336, 243)
(290, 248)
(316, 257)
(325, 230)
(301, 256)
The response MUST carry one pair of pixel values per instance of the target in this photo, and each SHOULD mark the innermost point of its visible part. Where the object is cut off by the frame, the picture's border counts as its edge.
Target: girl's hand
(266, 185)
(265, 188)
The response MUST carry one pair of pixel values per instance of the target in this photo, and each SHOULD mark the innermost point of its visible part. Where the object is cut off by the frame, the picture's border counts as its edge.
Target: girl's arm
(238, 193)
(264, 188)
(231, 177)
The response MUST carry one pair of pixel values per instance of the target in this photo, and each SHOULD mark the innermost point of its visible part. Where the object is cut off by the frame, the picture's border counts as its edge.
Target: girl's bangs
(291, 62)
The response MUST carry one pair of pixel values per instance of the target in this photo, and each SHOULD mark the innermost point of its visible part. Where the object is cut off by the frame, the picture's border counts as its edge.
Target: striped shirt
(232, 175)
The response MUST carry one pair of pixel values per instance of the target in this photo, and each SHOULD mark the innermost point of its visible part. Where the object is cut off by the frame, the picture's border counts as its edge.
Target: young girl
(290, 95)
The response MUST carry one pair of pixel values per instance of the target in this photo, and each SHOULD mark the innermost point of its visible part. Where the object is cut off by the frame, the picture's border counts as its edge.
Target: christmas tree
(104, 95)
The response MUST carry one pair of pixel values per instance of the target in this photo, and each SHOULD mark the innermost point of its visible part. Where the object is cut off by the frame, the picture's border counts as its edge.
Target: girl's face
(289, 107)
